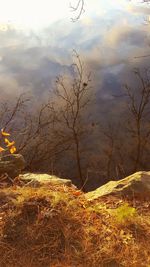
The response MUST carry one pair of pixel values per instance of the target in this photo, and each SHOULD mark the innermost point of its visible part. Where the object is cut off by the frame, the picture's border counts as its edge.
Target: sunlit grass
(57, 226)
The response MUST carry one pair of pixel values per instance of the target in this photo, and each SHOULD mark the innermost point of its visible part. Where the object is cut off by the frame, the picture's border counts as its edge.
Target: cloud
(127, 35)
(108, 43)
(142, 9)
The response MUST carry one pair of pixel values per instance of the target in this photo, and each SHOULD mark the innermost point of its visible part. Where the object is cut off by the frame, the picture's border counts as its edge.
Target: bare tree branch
(78, 9)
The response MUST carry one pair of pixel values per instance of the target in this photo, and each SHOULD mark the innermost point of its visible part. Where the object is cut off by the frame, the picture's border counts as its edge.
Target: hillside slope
(57, 226)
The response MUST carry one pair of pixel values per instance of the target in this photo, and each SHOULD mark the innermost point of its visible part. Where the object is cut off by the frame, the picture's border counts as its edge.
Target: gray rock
(12, 165)
(38, 179)
(137, 184)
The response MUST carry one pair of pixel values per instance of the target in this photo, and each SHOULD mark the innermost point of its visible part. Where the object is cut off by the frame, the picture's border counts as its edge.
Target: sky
(32, 13)
(37, 39)
(38, 14)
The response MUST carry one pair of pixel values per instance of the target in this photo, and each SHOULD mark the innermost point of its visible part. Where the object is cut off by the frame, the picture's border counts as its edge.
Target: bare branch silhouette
(78, 9)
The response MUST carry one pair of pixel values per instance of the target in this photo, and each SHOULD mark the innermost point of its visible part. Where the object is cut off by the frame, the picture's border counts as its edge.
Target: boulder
(12, 165)
(137, 184)
(38, 179)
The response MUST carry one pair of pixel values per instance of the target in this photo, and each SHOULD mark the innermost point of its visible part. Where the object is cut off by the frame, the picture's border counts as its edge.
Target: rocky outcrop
(38, 179)
(137, 184)
(12, 165)
(10, 173)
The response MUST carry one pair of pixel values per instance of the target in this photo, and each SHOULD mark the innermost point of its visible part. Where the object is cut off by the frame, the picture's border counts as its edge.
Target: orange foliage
(4, 133)
(12, 149)
(1, 149)
(9, 144)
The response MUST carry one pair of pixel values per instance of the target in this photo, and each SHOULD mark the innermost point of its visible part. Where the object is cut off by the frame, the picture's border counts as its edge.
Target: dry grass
(57, 227)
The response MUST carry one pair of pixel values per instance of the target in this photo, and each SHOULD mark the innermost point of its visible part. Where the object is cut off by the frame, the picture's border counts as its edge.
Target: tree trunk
(138, 152)
(78, 160)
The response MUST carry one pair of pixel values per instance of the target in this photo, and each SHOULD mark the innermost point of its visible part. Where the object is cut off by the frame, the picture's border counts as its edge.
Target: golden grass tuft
(57, 226)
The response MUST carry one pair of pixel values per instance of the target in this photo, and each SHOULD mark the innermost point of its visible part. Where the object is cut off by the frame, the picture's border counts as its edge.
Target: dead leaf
(1, 149)
(12, 149)
(77, 193)
(4, 133)
(9, 144)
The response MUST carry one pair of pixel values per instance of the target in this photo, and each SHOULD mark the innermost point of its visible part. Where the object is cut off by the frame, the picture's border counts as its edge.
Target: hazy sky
(37, 14)
(37, 38)
(33, 14)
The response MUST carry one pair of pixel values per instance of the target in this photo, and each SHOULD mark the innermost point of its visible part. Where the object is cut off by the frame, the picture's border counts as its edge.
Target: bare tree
(70, 104)
(9, 111)
(110, 133)
(11, 114)
(28, 128)
(139, 107)
(36, 141)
